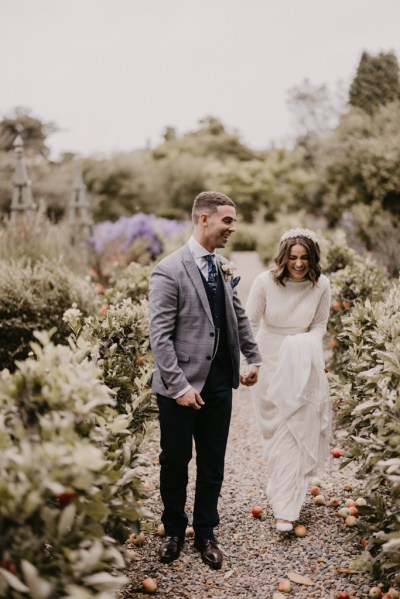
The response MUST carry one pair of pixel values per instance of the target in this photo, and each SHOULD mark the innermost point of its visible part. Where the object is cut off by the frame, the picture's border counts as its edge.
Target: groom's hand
(190, 399)
(251, 376)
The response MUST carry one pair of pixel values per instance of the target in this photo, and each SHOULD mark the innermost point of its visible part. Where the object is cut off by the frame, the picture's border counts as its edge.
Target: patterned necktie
(212, 272)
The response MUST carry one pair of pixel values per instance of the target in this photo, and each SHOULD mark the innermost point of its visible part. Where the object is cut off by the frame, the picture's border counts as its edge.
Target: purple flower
(126, 230)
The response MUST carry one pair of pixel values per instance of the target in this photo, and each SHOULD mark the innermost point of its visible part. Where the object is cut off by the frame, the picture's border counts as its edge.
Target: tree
(377, 82)
(33, 131)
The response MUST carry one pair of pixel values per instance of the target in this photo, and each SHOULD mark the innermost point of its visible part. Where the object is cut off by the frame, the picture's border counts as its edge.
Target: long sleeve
(256, 304)
(163, 302)
(320, 320)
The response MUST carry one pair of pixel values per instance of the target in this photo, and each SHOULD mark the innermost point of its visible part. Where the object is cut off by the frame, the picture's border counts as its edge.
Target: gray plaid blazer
(182, 333)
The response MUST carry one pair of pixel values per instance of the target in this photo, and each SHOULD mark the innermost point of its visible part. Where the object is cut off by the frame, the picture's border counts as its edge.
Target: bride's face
(298, 263)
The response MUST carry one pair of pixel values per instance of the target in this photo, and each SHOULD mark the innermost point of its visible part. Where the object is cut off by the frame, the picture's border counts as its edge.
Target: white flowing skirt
(291, 401)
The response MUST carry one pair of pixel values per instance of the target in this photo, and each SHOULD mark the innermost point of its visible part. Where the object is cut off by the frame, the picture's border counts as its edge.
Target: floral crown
(299, 232)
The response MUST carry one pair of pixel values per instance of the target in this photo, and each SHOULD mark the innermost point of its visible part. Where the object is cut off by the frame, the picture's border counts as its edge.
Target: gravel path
(256, 556)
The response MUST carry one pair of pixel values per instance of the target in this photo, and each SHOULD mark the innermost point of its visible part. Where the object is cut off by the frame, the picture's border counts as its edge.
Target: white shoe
(284, 526)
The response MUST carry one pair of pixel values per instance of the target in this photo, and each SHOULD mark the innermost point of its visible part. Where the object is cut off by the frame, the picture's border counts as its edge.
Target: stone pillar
(23, 206)
(79, 217)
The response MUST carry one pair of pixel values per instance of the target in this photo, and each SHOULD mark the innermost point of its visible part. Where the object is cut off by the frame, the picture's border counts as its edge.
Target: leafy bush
(35, 298)
(70, 464)
(120, 346)
(359, 280)
(367, 393)
(69, 477)
(335, 253)
(132, 282)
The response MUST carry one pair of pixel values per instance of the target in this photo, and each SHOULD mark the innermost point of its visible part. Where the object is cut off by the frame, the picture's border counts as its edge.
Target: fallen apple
(375, 592)
(257, 511)
(344, 512)
(314, 490)
(361, 501)
(315, 482)
(334, 501)
(189, 532)
(149, 585)
(349, 503)
(334, 343)
(161, 530)
(336, 452)
(319, 500)
(300, 531)
(353, 510)
(342, 595)
(351, 521)
(393, 593)
(347, 487)
(335, 305)
(137, 538)
(285, 586)
(387, 596)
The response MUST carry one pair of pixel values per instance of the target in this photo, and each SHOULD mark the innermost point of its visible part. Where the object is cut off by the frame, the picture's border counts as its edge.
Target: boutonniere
(229, 272)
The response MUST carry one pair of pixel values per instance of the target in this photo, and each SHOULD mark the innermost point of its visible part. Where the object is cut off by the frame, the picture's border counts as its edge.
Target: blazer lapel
(195, 276)
(230, 311)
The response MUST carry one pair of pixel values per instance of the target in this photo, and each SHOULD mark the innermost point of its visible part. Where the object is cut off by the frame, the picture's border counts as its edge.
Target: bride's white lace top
(294, 308)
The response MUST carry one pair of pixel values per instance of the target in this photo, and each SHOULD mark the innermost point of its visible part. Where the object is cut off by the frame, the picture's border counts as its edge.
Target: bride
(288, 309)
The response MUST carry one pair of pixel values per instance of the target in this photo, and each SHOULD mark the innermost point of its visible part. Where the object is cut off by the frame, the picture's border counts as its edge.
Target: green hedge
(35, 298)
(367, 396)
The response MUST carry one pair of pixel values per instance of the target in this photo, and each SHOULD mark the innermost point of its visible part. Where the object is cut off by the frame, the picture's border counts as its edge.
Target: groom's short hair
(208, 201)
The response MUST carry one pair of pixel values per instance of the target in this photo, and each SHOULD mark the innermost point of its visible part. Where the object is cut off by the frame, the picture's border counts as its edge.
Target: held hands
(250, 377)
(190, 399)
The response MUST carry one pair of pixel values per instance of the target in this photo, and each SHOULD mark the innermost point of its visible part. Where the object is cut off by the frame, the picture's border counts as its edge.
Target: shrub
(336, 254)
(35, 298)
(367, 394)
(359, 280)
(132, 282)
(120, 346)
(69, 476)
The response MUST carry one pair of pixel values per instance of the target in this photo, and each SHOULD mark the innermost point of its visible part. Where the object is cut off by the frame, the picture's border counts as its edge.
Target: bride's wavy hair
(280, 273)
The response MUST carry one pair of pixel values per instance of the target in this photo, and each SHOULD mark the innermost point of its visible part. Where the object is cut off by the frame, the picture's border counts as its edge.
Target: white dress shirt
(199, 252)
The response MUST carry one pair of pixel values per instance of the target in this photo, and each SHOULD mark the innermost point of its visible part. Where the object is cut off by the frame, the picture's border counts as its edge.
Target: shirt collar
(197, 250)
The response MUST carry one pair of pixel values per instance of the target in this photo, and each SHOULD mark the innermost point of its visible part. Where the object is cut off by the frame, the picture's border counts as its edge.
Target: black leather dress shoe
(170, 549)
(210, 552)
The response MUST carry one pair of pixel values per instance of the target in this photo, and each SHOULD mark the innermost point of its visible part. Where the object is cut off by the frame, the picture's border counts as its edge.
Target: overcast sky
(114, 73)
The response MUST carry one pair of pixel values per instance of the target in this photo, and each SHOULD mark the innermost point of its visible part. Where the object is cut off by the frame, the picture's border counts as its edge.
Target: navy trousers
(209, 428)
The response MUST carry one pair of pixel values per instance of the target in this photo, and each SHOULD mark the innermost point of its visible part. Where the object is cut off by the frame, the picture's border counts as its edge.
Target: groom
(197, 329)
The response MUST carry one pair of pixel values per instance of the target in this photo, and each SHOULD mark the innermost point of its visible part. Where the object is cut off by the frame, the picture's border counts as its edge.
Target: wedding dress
(291, 398)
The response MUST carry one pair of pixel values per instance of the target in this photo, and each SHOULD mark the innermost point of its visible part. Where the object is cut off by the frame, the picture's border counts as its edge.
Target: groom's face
(216, 228)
